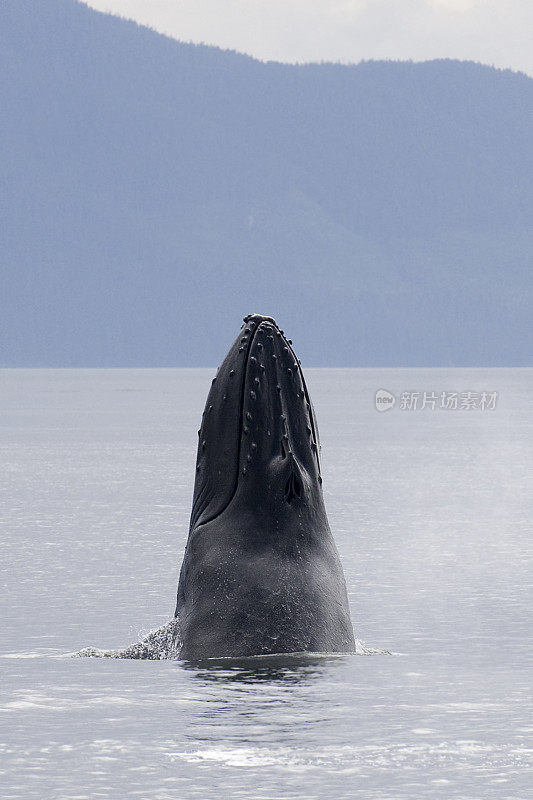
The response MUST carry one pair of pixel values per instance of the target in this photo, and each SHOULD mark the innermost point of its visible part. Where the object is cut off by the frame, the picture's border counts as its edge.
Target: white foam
(161, 643)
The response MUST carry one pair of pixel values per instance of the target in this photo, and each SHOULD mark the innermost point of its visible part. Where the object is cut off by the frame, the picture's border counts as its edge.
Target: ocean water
(431, 510)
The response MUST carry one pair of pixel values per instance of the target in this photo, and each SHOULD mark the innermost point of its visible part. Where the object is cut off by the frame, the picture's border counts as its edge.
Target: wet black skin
(261, 573)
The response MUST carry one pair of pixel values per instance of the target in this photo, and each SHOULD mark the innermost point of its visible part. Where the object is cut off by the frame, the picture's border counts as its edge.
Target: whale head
(261, 573)
(258, 441)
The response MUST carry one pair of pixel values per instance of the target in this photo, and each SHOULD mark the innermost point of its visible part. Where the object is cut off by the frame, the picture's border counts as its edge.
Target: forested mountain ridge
(153, 192)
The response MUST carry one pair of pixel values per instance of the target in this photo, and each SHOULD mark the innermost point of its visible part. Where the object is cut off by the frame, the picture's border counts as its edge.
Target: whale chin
(261, 573)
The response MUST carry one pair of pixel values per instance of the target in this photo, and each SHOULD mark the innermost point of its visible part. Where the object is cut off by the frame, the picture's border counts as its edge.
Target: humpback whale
(261, 573)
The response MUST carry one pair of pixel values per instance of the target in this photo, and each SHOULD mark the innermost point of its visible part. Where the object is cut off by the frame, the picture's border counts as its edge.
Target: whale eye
(293, 488)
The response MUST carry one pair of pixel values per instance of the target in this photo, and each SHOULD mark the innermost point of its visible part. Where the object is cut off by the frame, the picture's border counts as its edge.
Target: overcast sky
(498, 32)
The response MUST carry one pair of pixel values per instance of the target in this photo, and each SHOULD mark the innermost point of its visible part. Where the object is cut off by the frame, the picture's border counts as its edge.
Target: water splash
(161, 643)
(361, 649)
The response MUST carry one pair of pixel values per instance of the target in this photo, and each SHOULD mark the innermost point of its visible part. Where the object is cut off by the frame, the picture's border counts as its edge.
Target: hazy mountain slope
(153, 192)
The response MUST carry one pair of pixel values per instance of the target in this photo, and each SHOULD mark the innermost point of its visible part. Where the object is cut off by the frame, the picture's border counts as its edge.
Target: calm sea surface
(432, 512)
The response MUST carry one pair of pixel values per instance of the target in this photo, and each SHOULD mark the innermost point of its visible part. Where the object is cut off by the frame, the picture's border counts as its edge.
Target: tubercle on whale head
(258, 433)
(279, 427)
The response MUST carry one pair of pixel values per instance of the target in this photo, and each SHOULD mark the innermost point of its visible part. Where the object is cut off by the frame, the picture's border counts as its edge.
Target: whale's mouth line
(308, 401)
(288, 343)
(239, 446)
